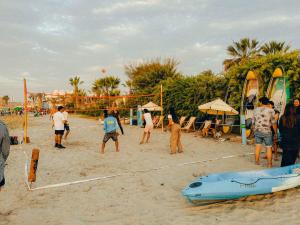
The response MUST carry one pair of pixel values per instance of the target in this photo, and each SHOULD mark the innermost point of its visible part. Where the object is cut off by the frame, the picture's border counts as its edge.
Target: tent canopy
(151, 107)
(217, 107)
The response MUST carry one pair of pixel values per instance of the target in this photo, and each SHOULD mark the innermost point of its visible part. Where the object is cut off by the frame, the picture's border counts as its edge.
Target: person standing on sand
(110, 129)
(4, 150)
(116, 114)
(275, 140)
(66, 125)
(58, 122)
(175, 138)
(263, 120)
(289, 127)
(148, 127)
(297, 106)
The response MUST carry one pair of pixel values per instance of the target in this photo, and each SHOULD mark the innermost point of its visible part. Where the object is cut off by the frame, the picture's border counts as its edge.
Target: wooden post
(33, 165)
(25, 136)
(161, 105)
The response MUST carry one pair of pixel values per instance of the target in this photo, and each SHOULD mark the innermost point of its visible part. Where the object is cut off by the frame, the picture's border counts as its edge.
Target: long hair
(174, 116)
(289, 116)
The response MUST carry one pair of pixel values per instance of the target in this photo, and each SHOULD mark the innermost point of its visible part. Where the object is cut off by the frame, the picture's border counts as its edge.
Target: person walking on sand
(110, 129)
(4, 150)
(289, 127)
(263, 120)
(148, 127)
(66, 125)
(58, 123)
(175, 138)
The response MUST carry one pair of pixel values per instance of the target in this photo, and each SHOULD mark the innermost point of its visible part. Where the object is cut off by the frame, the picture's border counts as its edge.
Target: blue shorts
(265, 139)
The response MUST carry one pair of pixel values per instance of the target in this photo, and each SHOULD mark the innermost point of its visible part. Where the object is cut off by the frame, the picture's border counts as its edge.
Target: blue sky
(49, 41)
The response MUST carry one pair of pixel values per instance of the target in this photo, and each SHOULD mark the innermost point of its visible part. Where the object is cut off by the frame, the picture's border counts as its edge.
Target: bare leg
(59, 137)
(179, 145)
(144, 135)
(148, 137)
(269, 156)
(66, 134)
(275, 151)
(102, 148)
(257, 153)
(56, 139)
(117, 146)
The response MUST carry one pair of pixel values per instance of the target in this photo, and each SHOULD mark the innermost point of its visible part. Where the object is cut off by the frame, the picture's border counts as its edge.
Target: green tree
(264, 67)
(144, 77)
(75, 82)
(106, 86)
(40, 98)
(186, 93)
(241, 51)
(274, 47)
(33, 97)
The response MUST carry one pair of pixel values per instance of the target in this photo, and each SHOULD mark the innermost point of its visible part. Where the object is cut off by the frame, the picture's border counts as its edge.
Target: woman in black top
(289, 127)
(116, 115)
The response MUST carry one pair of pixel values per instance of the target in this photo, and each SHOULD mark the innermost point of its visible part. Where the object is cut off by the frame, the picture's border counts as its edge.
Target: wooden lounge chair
(160, 122)
(227, 127)
(215, 128)
(190, 124)
(182, 120)
(205, 128)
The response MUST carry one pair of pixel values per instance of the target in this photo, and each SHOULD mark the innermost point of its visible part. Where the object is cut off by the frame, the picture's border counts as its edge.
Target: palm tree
(97, 87)
(40, 98)
(5, 99)
(106, 86)
(241, 51)
(274, 47)
(75, 82)
(33, 97)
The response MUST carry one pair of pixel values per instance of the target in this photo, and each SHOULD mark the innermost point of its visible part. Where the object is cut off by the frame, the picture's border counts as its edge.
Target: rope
(134, 172)
(266, 178)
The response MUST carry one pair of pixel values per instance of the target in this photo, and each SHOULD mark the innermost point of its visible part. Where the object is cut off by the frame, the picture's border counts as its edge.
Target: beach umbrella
(151, 107)
(217, 107)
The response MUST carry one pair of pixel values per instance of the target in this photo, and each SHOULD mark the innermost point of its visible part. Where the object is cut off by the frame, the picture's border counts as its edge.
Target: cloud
(93, 47)
(38, 48)
(117, 31)
(252, 23)
(53, 40)
(123, 6)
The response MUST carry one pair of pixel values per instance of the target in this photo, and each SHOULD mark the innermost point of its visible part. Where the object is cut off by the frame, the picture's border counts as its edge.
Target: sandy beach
(152, 197)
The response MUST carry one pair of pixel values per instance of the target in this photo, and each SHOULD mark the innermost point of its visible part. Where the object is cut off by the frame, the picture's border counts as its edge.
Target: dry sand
(144, 198)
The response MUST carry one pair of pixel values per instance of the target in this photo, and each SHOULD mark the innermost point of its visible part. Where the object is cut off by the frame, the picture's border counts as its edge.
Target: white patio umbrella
(151, 107)
(217, 107)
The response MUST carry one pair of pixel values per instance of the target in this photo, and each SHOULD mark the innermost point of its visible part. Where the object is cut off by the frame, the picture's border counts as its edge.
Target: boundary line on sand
(121, 174)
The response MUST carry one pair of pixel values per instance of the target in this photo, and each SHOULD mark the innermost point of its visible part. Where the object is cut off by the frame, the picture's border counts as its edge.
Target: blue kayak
(219, 187)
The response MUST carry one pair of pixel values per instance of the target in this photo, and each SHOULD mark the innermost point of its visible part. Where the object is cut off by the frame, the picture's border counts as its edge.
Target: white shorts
(148, 128)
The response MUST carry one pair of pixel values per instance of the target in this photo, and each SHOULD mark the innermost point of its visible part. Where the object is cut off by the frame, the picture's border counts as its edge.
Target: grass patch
(13, 121)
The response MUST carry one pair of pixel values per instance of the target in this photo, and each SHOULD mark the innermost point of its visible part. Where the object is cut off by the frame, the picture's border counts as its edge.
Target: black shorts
(59, 132)
(113, 136)
(67, 127)
(2, 182)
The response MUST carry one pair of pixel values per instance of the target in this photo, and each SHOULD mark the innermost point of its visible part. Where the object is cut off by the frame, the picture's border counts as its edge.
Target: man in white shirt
(148, 126)
(66, 125)
(59, 126)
